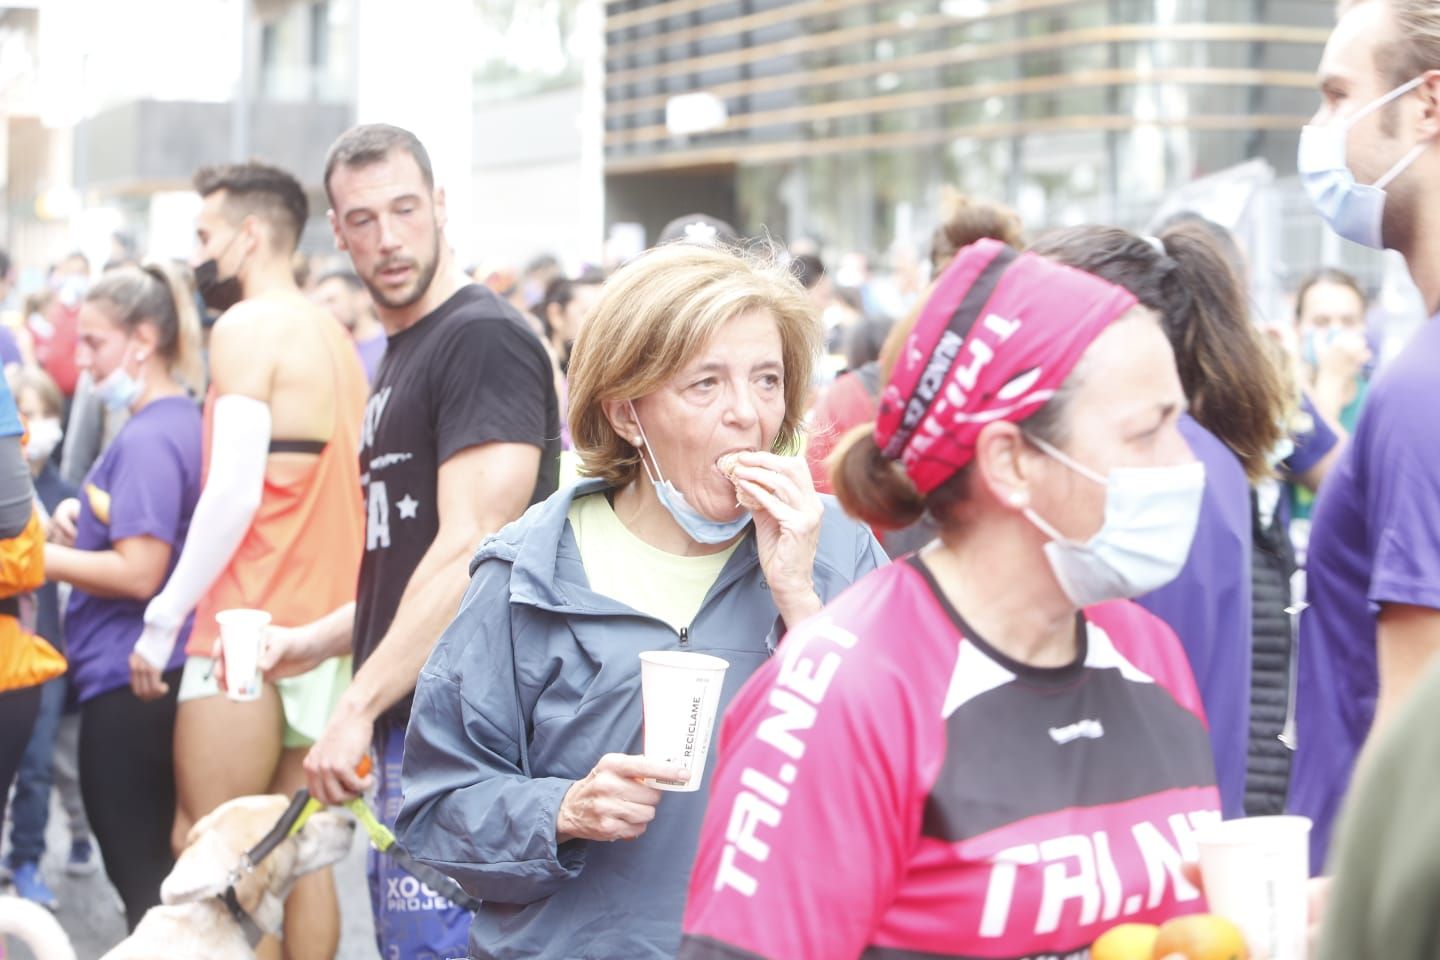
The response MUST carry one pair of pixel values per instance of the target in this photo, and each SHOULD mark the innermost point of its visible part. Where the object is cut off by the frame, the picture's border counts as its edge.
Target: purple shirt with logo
(1208, 607)
(145, 484)
(1375, 539)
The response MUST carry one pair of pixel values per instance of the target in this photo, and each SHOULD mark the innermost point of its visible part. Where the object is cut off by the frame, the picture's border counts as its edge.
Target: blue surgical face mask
(696, 525)
(1151, 514)
(119, 390)
(1314, 343)
(1353, 210)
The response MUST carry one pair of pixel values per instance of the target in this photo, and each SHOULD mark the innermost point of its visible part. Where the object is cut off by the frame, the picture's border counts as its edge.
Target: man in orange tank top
(280, 522)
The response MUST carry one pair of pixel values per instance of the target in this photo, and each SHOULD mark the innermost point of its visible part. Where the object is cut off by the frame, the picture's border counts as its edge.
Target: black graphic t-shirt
(467, 374)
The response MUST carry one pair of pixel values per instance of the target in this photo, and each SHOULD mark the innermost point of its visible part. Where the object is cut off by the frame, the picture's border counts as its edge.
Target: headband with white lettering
(998, 334)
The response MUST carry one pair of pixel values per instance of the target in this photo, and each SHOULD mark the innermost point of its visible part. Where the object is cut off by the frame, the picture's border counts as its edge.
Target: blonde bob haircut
(654, 317)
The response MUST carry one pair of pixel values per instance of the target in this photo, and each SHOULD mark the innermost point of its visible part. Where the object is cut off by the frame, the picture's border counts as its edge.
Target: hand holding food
(780, 493)
(728, 464)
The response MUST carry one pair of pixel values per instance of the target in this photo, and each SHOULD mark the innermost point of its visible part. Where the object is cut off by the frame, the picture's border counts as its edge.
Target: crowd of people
(1003, 565)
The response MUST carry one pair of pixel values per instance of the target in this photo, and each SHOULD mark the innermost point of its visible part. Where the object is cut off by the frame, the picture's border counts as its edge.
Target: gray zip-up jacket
(538, 677)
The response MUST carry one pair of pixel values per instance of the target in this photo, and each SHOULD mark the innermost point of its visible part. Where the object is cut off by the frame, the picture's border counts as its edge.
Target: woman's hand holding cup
(612, 802)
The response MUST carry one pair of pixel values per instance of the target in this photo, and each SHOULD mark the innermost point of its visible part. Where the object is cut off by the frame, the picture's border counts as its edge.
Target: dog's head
(215, 846)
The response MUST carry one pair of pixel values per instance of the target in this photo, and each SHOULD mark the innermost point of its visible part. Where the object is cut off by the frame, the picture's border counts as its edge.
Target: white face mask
(696, 525)
(45, 435)
(1353, 210)
(121, 389)
(1150, 518)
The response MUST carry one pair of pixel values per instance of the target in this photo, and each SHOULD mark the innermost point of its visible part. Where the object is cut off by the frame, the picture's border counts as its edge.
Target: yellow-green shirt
(625, 568)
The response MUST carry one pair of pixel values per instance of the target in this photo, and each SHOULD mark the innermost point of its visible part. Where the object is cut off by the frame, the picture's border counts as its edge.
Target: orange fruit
(1203, 936)
(1129, 941)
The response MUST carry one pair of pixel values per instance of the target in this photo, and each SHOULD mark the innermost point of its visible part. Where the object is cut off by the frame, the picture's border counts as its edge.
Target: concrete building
(539, 182)
(840, 120)
(109, 108)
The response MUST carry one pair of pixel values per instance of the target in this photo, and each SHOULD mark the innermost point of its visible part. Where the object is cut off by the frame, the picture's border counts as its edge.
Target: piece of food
(1203, 936)
(1129, 941)
(728, 465)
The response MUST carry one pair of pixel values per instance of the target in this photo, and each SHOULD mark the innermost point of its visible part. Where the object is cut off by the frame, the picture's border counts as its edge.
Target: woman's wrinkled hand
(780, 493)
(612, 802)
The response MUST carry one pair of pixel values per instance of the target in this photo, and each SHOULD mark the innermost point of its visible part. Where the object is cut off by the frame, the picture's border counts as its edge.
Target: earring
(638, 442)
(1017, 499)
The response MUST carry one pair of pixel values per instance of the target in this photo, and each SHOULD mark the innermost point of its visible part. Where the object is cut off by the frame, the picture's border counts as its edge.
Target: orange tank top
(300, 559)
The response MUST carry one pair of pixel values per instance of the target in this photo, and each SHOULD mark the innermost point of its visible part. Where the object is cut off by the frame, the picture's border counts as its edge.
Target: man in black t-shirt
(461, 434)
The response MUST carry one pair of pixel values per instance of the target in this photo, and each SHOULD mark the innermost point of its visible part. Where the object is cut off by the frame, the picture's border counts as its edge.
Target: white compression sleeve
(239, 447)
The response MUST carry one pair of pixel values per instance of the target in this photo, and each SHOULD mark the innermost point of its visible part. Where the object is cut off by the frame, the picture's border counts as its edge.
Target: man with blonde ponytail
(1371, 164)
(279, 526)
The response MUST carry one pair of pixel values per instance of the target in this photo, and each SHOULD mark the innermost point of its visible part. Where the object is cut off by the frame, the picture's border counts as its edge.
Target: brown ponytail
(876, 489)
(964, 220)
(1235, 390)
(185, 359)
(870, 486)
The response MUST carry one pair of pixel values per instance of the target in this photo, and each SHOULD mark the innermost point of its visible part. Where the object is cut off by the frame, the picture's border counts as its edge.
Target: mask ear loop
(1064, 458)
(1045, 526)
(1347, 122)
(1403, 165)
(655, 477)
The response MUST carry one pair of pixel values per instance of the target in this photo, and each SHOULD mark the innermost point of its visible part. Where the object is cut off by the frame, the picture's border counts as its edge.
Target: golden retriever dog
(194, 919)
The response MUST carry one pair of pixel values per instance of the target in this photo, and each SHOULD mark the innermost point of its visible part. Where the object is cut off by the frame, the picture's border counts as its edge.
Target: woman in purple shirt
(116, 545)
(1237, 408)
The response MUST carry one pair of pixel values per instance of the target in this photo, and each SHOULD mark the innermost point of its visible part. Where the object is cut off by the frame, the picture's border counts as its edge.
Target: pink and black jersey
(891, 786)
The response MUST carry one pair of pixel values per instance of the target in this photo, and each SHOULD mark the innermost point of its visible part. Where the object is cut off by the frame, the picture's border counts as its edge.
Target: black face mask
(218, 294)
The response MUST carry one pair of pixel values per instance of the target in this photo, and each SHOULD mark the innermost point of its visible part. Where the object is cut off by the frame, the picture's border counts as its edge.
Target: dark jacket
(1267, 774)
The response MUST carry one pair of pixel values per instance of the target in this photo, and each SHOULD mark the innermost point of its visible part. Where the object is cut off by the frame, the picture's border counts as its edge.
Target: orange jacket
(25, 659)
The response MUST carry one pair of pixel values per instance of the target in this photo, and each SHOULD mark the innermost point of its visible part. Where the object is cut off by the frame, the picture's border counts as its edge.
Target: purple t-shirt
(1208, 607)
(1375, 539)
(1311, 446)
(9, 348)
(371, 352)
(1314, 444)
(146, 483)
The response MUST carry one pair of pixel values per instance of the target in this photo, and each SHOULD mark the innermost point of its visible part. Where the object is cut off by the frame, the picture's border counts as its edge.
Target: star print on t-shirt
(407, 507)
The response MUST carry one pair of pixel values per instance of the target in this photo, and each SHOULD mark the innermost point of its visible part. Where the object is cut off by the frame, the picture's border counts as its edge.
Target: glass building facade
(842, 119)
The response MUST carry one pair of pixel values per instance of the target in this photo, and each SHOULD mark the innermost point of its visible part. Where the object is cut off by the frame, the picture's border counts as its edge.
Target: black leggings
(127, 779)
(18, 709)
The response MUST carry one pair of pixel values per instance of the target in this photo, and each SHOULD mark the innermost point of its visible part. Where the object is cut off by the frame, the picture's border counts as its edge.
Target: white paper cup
(1257, 873)
(681, 693)
(242, 633)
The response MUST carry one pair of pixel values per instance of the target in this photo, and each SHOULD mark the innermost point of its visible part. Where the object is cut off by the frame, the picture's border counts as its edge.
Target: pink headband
(996, 338)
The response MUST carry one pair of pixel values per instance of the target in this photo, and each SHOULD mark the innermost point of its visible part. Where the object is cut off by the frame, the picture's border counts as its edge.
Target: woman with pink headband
(985, 750)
